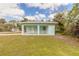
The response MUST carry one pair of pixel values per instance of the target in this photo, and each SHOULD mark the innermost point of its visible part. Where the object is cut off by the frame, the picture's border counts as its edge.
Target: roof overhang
(37, 23)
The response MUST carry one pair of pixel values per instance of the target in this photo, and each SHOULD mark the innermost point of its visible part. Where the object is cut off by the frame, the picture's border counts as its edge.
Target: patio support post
(22, 29)
(38, 29)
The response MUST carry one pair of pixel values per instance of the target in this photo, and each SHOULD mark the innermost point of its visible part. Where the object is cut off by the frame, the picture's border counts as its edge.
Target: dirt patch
(68, 40)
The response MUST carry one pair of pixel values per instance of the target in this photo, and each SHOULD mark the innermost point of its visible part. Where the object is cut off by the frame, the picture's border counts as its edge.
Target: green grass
(35, 46)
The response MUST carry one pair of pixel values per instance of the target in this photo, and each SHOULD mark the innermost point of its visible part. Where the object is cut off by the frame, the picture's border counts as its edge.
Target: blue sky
(30, 11)
(16, 11)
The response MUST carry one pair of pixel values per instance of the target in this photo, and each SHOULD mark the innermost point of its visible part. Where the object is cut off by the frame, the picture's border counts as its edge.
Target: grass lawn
(35, 45)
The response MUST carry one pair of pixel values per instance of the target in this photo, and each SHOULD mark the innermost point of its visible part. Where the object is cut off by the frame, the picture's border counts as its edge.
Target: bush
(5, 27)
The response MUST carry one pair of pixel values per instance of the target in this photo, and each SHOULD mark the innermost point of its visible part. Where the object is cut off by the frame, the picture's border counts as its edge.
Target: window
(43, 29)
(31, 29)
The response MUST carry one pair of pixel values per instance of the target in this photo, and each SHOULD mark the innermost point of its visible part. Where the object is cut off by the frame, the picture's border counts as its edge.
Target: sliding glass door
(31, 29)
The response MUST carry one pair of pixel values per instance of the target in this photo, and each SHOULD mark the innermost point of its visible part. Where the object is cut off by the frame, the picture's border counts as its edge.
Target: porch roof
(37, 22)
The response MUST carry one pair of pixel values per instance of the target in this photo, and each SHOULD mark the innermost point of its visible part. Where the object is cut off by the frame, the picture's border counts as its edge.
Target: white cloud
(10, 9)
(36, 17)
(11, 12)
(17, 18)
(30, 17)
(45, 5)
(39, 16)
(51, 16)
(37, 12)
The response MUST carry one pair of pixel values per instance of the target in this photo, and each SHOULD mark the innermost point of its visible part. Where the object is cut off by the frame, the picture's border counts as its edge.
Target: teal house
(38, 28)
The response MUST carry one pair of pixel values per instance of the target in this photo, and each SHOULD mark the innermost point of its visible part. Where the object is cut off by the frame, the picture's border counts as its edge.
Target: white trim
(22, 27)
(38, 22)
(38, 29)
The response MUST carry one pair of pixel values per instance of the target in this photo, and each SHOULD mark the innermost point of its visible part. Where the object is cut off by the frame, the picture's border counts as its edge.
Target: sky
(33, 11)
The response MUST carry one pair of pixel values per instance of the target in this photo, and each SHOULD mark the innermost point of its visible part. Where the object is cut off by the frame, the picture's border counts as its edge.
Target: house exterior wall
(50, 29)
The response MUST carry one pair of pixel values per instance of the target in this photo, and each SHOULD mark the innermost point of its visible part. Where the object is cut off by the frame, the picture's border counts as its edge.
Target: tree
(60, 19)
(14, 23)
(2, 21)
(72, 19)
(25, 20)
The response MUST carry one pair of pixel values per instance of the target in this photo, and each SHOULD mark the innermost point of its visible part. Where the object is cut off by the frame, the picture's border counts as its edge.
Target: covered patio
(42, 28)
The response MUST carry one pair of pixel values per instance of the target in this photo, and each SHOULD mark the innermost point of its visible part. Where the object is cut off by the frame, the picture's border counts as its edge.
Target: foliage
(5, 27)
(25, 20)
(60, 19)
(68, 23)
(72, 19)
(2, 21)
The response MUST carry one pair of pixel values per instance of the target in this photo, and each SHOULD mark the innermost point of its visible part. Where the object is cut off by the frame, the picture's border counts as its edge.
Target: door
(31, 29)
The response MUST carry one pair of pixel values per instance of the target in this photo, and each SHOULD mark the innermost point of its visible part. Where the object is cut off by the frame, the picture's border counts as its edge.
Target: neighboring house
(38, 28)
